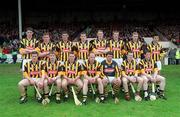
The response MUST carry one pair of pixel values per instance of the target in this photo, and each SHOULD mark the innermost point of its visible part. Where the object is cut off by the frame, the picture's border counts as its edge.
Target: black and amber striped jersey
(71, 70)
(129, 68)
(156, 51)
(83, 49)
(43, 47)
(116, 47)
(109, 69)
(148, 66)
(99, 45)
(63, 50)
(33, 70)
(134, 47)
(52, 69)
(31, 44)
(91, 70)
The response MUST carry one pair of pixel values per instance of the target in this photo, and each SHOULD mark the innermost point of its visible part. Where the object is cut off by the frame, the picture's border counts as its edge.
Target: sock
(145, 93)
(161, 92)
(106, 91)
(116, 89)
(84, 97)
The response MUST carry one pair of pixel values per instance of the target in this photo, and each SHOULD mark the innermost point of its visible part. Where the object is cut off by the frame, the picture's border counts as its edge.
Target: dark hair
(91, 52)
(51, 52)
(115, 31)
(145, 51)
(46, 33)
(83, 33)
(29, 28)
(100, 31)
(71, 52)
(64, 32)
(34, 52)
(109, 53)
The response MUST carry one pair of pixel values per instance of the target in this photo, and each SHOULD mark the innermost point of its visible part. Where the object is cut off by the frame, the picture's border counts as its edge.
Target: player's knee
(99, 81)
(105, 82)
(85, 81)
(140, 80)
(163, 79)
(20, 84)
(64, 84)
(58, 82)
(80, 85)
(145, 80)
(125, 81)
(45, 82)
(116, 82)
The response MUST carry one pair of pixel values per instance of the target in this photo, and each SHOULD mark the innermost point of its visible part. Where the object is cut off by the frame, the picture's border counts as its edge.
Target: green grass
(9, 106)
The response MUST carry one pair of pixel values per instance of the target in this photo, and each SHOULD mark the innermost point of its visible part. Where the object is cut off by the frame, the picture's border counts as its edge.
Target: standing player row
(99, 46)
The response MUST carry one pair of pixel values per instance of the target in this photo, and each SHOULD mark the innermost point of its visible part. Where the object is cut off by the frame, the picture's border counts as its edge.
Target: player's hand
(128, 77)
(93, 80)
(132, 79)
(27, 51)
(153, 79)
(50, 80)
(40, 84)
(31, 81)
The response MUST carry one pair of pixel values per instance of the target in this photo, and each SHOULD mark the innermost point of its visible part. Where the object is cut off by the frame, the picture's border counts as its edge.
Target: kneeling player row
(71, 72)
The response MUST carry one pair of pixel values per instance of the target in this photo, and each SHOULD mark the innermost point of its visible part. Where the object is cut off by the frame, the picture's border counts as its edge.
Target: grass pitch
(10, 107)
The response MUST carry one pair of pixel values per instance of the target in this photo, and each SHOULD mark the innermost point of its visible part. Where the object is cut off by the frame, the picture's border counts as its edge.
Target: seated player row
(71, 72)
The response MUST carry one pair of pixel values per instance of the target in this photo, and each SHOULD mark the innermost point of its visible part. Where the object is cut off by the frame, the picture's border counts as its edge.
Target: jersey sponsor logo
(29, 47)
(109, 70)
(44, 50)
(130, 70)
(136, 50)
(148, 69)
(66, 50)
(156, 52)
(52, 72)
(34, 72)
(71, 72)
(91, 71)
(116, 49)
(101, 48)
(83, 50)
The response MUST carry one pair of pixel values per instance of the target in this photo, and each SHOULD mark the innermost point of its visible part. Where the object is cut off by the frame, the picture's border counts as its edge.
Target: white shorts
(138, 60)
(81, 61)
(99, 59)
(159, 65)
(36, 80)
(118, 61)
(110, 79)
(24, 61)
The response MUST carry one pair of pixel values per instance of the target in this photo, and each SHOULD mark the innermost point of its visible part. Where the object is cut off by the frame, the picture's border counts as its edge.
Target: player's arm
(84, 70)
(62, 72)
(78, 71)
(117, 71)
(155, 70)
(92, 47)
(44, 71)
(107, 47)
(123, 70)
(142, 69)
(26, 75)
(98, 71)
(162, 53)
(22, 49)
